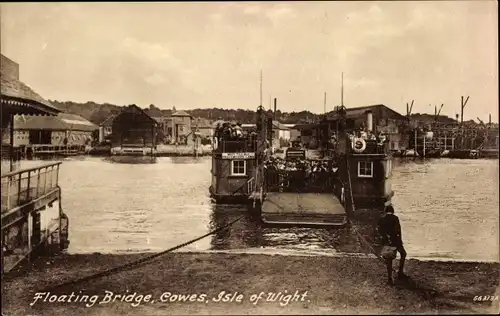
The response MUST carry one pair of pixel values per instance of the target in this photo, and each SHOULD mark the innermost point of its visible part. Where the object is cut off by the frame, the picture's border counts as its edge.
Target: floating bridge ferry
(351, 176)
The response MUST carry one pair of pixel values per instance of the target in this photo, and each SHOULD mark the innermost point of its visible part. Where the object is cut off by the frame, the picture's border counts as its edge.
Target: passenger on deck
(389, 229)
(238, 130)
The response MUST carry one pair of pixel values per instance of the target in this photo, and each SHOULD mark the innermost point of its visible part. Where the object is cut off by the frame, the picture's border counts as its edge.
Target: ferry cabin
(369, 166)
(237, 162)
(365, 171)
(234, 170)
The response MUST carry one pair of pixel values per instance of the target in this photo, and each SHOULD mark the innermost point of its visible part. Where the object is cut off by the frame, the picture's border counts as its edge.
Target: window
(238, 168)
(365, 169)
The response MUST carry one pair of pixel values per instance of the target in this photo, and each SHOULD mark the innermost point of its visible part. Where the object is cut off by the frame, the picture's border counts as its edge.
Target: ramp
(303, 209)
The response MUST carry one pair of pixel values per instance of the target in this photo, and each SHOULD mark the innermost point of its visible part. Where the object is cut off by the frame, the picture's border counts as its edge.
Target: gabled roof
(133, 106)
(280, 126)
(108, 121)
(182, 114)
(28, 122)
(18, 97)
(76, 122)
(355, 112)
(61, 122)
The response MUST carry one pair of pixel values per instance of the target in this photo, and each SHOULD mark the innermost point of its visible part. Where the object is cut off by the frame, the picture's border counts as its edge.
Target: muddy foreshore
(317, 284)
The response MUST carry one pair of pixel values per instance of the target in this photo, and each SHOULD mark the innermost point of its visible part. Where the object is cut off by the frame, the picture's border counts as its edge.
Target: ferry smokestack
(275, 107)
(369, 121)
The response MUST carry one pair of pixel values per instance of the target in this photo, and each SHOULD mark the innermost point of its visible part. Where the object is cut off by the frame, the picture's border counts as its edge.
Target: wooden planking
(302, 203)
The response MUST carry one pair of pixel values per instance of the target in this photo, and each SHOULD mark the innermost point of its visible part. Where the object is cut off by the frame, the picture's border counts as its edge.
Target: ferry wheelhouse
(351, 175)
(237, 162)
(365, 165)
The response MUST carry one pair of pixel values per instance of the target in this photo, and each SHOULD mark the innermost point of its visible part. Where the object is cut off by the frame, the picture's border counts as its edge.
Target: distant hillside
(97, 113)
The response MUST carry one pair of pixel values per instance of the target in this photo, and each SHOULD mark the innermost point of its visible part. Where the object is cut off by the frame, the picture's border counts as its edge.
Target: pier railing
(21, 186)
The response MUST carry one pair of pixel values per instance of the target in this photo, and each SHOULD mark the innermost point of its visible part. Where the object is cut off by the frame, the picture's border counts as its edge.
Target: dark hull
(430, 153)
(464, 154)
(234, 199)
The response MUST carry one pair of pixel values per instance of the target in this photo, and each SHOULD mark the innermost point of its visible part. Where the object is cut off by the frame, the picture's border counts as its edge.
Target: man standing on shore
(389, 229)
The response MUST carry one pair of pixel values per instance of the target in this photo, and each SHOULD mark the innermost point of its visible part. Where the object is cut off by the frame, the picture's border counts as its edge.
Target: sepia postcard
(250, 158)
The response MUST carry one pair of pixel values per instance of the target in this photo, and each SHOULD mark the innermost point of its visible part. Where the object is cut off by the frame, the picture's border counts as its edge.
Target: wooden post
(29, 182)
(415, 151)
(11, 142)
(18, 176)
(462, 110)
(424, 146)
(445, 141)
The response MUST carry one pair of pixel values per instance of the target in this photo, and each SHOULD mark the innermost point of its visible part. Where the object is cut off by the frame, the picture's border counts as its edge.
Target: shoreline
(335, 285)
(270, 251)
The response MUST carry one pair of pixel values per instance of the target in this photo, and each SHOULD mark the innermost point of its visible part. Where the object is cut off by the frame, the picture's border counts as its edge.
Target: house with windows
(181, 128)
(106, 128)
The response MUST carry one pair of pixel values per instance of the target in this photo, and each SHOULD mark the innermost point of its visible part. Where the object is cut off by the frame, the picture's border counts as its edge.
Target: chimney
(275, 106)
(369, 121)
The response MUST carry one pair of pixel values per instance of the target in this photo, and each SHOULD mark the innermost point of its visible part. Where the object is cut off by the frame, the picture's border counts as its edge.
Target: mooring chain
(137, 262)
(427, 293)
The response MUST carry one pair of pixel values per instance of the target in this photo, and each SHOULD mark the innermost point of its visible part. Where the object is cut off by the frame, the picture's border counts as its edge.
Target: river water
(449, 209)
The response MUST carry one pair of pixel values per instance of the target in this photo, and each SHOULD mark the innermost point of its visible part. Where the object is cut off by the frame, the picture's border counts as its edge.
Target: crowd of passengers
(228, 131)
(302, 175)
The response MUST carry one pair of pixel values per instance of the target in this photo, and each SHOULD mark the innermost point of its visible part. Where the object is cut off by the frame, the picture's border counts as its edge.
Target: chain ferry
(350, 177)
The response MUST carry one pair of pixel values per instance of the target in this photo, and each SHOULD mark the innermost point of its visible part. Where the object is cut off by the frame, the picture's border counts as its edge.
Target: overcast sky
(195, 55)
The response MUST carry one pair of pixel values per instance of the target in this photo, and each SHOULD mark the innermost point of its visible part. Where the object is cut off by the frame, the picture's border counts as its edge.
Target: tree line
(98, 112)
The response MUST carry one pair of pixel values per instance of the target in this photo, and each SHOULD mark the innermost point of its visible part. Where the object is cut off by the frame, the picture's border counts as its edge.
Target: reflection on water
(447, 208)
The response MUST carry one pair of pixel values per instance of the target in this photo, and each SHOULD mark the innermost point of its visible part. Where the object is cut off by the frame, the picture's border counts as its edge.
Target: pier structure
(32, 219)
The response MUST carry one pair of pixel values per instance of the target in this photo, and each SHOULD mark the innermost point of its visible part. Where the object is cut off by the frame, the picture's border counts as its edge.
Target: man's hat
(389, 209)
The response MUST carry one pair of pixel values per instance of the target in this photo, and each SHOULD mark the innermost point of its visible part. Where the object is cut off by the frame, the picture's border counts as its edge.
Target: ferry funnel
(369, 121)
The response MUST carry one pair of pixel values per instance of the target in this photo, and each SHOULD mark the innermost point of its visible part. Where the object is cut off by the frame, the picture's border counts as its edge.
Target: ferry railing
(372, 147)
(250, 186)
(234, 146)
(21, 186)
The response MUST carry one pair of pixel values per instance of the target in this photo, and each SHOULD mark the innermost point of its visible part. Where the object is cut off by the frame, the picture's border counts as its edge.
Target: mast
(261, 87)
(342, 91)
(324, 104)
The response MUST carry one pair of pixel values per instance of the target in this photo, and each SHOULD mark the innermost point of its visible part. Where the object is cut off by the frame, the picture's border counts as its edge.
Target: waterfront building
(181, 128)
(204, 127)
(106, 128)
(281, 134)
(61, 130)
(133, 127)
(294, 132)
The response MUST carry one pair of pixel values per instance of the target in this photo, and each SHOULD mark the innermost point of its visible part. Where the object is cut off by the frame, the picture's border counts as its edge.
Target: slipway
(303, 209)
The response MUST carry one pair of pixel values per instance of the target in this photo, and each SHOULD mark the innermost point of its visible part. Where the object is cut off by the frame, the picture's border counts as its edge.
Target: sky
(202, 55)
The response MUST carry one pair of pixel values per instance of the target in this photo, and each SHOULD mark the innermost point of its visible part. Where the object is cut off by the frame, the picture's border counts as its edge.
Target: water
(448, 210)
